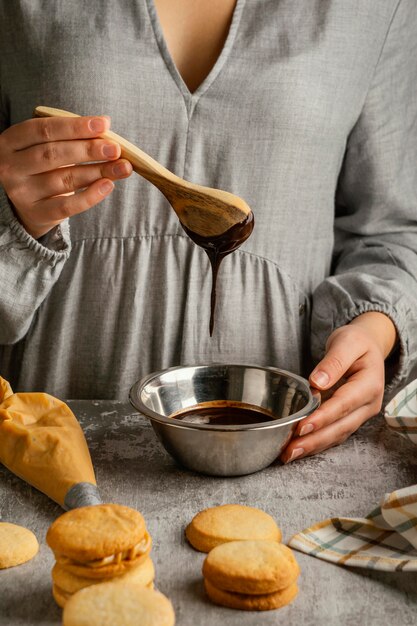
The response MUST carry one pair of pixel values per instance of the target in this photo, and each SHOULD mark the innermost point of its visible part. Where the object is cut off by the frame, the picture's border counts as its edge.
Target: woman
(305, 109)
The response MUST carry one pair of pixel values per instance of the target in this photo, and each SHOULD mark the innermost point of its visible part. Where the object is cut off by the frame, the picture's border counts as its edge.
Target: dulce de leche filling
(126, 555)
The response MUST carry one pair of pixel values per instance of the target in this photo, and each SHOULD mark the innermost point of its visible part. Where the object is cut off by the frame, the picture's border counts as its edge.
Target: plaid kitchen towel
(387, 538)
(401, 412)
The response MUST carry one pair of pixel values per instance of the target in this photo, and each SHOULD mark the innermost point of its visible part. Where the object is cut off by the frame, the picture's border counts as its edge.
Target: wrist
(381, 328)
(32, 230)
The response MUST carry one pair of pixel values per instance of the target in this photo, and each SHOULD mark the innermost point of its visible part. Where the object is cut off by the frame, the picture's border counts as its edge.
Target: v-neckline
(191, 97)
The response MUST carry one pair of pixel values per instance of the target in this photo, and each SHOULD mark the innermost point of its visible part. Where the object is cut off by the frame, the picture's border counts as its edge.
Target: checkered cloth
(387, 538)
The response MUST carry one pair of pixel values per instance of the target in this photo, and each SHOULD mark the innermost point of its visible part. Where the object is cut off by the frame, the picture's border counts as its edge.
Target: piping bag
(42, 442)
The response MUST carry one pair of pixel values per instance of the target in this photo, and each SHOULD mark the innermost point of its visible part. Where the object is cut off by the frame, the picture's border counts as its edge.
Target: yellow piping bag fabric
(42, 442)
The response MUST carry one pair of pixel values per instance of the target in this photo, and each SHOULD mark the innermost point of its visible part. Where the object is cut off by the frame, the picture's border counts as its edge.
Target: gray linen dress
(310, 114)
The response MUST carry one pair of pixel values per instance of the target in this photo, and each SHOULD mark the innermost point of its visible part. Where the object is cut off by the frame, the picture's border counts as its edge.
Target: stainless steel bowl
(224, 450)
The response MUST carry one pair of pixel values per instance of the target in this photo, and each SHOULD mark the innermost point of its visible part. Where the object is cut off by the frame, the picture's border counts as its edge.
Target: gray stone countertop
(133, 469)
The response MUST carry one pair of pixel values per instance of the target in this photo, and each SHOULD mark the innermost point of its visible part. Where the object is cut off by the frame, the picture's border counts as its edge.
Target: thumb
(342, 352)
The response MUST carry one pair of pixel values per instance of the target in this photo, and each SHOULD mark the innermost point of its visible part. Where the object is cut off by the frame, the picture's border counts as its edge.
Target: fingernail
(110, 150)
(121, 169)
(307, 428)
(97, 125)
(295, 454)
(320, 378)
(106, 187)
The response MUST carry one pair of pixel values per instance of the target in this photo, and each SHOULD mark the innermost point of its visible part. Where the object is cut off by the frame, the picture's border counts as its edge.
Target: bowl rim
(312, 404)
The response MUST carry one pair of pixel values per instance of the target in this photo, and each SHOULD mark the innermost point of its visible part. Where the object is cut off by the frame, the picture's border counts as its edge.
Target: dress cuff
(54, 246)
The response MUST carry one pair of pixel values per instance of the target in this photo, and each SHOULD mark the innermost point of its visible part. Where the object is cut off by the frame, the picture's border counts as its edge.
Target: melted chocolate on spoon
(219, 246)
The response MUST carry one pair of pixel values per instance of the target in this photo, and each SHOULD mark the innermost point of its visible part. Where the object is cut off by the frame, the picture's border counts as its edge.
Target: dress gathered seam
(186, 238)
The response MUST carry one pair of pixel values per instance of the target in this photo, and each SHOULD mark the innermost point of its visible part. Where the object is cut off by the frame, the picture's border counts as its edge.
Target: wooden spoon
(202, 211)
(216, 220)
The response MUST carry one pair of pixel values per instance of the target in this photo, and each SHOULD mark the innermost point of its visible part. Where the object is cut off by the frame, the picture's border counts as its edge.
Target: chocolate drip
(219, 246)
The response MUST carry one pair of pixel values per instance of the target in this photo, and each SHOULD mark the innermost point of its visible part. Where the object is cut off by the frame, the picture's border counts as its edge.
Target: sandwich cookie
(246, 602)
(230, 522)
(252, 567)
(61, 597)
(100, 541)
(17, 545)
(118, 604)
(251, 575)
(65, 584)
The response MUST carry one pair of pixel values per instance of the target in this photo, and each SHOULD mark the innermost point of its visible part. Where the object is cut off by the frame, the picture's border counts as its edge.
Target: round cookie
(93, 532)
(245, 602)
(251, 567)
(230, 522)
(143, 574)
(120, 604)
(17, 545)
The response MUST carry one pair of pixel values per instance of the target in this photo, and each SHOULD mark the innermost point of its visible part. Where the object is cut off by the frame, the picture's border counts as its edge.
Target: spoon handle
(142, 163)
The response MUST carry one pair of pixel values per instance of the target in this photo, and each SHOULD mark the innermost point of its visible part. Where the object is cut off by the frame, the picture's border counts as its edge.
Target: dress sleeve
(28, 268)
(375, 251)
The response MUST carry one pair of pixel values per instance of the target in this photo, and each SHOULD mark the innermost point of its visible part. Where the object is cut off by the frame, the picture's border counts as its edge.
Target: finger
(332, 435)
(341, 353)
(50, 156)
(74, 178)
(53, 210)
(364, 388)
(48, 129)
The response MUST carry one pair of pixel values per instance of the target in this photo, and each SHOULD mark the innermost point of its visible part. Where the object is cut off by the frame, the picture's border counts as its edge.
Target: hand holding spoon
(216, 220)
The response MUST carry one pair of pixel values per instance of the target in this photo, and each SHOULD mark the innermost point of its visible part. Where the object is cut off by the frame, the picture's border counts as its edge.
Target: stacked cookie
(97, 544)
(247, 567)
(251, 575)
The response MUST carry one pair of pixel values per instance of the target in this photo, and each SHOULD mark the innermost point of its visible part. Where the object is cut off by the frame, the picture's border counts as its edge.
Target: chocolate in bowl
(223, 413)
